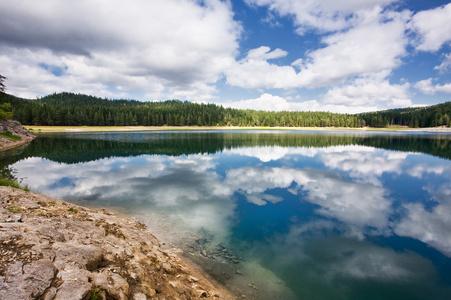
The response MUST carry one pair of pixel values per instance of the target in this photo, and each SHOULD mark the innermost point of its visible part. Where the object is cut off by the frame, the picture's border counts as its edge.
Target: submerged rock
(57, 251)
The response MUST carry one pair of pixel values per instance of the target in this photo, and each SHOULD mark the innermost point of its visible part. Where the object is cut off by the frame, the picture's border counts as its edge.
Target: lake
(271, 214)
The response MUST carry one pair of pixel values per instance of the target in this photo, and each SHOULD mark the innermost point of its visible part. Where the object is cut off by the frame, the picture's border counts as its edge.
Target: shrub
(14, 209)
(73, 210)
(10, 135)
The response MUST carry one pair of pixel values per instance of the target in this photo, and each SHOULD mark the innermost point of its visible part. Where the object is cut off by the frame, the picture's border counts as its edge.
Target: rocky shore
(17, 130)
(50, 249)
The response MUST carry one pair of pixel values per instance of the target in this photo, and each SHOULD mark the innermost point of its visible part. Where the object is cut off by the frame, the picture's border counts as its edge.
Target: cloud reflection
(182, 188)
(357, 205)
(431, 226)
(345, 187)
(365, 166)
(337, 267)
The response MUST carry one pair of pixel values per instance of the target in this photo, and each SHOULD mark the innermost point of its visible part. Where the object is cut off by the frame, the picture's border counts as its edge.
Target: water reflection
(302, 216)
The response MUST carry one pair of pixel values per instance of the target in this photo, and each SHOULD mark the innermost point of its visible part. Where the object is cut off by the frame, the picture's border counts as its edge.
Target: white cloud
(433, 28)
(161, 47)
(374, 45)
(265, 53)
(427, 87)
(445, 66)
(369, 92)
(327, 15)
(28, 78)
(270, 102)
(255, 71)
(346, 99)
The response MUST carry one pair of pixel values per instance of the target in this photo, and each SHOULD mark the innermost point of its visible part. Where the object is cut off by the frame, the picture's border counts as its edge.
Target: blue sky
(331, 55)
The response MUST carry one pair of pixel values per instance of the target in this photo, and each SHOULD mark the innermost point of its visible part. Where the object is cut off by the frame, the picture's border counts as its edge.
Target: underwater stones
(216, 252)
(252, 285)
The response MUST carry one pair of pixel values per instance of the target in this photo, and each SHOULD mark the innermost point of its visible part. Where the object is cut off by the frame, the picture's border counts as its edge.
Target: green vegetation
(2, 85)
(67, 109)
(5, 107)
(431, 116)
(7, 179)
(95, 293)
(75, 148)
(9, 182)
(10, 135)
(73, 210)
(14, 209)
(5, 111)
(13, 183)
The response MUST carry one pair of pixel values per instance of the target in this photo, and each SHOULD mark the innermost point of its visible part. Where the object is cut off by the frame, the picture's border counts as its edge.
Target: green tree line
(68, 109)
(430, 116)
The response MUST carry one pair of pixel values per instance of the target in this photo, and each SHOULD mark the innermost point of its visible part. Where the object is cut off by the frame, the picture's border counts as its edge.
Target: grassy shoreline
(55, 129)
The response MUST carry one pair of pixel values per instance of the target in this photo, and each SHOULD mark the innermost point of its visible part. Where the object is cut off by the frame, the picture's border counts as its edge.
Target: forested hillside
(76, 109)
(430, 116)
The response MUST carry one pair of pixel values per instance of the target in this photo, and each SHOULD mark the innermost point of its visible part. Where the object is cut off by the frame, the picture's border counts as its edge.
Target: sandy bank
(53, 250)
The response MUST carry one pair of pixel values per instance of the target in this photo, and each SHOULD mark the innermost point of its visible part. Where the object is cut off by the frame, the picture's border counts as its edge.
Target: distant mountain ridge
(71, 109)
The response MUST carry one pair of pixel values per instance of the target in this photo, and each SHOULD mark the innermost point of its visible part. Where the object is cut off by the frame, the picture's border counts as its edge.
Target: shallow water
(272, 215)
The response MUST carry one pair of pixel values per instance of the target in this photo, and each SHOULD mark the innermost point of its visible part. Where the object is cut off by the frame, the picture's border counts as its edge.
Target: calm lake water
(272, 214)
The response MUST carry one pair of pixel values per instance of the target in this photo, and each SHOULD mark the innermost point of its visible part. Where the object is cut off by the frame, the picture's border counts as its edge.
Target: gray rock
(139, 296)
(47, 253)
(50, 294)
(52, 233)
(86, 256)
(74, 290)
(26, 281)
(113, 284)
(38, 277)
